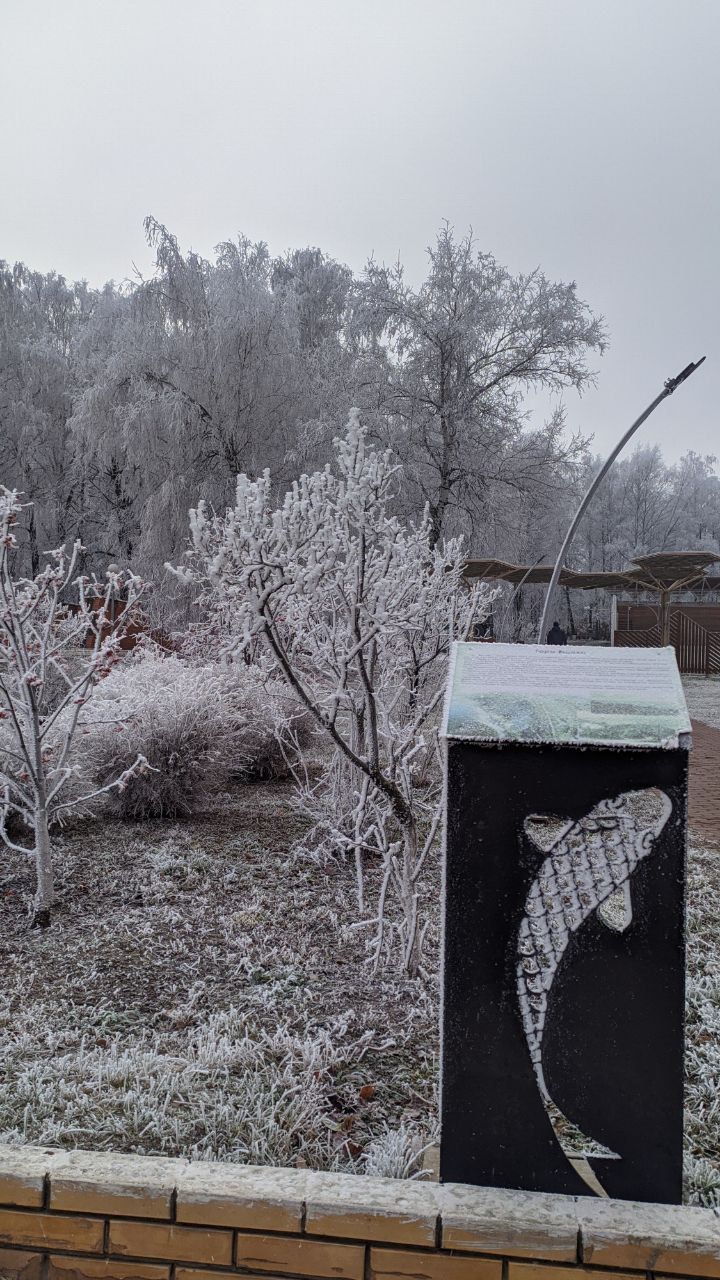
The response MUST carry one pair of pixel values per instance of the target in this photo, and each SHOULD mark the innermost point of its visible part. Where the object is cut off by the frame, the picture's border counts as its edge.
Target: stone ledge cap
(520, 1224)
(667, 1239)
(672, 1238)
(22, 1175)
(114, 1183)
(230, 1195)
(383, 1209)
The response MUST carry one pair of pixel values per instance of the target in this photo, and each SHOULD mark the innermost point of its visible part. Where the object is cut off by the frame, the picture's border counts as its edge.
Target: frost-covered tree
(318, 288)
(461, 352)
(646, 505)
(699, 484)
(358, 612)
(40, 319)
(51, 658)
(199, 373)
(120, 407)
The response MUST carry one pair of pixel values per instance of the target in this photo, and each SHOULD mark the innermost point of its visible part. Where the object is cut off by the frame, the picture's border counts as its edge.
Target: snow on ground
(197, 994)
(702, 694)
(702, 1051)
(201, 993)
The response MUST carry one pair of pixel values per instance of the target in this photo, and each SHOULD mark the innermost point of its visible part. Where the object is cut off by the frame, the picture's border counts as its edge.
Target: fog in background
(575, 135)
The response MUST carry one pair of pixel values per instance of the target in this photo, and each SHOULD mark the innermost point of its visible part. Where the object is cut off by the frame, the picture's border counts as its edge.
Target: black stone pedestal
(563, 959)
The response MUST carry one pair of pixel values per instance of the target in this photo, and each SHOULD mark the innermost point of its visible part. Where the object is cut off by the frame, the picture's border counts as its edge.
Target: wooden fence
(697, 647)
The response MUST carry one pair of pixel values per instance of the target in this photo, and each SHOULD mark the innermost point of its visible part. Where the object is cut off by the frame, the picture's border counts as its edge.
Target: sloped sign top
(566, 695)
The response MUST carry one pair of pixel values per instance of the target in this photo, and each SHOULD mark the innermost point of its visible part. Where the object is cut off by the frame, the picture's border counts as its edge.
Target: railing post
(664, 618)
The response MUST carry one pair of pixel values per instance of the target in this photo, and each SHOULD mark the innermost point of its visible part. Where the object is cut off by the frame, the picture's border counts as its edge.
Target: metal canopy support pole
(664, 616)
(667, 390)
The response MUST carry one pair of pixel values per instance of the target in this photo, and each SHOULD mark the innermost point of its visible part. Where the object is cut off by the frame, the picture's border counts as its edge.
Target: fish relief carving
(588, 868)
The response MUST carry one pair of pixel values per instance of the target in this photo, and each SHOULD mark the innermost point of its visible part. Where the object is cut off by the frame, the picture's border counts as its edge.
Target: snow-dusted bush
(199, 726)
(276, 738)
(358, 613)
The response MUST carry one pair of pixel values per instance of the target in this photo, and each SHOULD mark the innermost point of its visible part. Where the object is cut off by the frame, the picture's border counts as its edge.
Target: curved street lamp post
(669, 387)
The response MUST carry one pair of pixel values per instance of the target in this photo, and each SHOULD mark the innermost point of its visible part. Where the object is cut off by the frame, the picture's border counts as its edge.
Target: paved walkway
(705, 783)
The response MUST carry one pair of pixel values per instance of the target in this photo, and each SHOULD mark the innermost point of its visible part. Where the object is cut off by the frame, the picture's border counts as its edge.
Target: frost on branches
(51, 658)
(358, 612)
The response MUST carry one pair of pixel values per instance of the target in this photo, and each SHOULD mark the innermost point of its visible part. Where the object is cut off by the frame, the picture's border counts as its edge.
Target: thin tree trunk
(45, 891)
(408, 893)
(438, 508)
(32, 538)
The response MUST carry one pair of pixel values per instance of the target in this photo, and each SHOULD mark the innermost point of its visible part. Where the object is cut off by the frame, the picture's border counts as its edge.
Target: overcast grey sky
(577, 135)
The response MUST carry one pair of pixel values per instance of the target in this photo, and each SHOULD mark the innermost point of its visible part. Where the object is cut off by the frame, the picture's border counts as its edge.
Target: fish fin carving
(545, 830)
(616, 912)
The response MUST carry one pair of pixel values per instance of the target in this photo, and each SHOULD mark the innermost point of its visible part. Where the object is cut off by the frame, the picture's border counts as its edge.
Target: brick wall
(65, 1215)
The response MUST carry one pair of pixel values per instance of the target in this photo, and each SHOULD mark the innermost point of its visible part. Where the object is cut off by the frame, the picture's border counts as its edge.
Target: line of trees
(121, 406)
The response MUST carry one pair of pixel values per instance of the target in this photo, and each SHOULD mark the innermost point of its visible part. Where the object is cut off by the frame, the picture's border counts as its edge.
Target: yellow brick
(303, 1257)
(706, 1268)
(190, 1273)
(66, 1268)
(177, 1244)
(44, 1230)
(194, 1273)
(407, 1264)
(15, 1265)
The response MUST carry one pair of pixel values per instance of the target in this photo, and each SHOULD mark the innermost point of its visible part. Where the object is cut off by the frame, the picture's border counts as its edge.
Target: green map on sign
(573, 695)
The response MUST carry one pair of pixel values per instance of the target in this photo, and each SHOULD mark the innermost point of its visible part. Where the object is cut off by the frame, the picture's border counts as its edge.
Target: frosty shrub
(277, 734)
(358, 612)
(199, 726)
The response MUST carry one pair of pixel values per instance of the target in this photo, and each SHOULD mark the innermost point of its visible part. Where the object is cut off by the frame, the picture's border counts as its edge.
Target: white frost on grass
(702, 1054)
(395, 1153)
(228, 1094)
(192, 998)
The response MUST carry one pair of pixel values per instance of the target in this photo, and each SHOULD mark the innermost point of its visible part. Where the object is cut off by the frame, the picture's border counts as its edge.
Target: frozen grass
(702, 1060)
(202, 993)
(195, 995)
(702, 1063)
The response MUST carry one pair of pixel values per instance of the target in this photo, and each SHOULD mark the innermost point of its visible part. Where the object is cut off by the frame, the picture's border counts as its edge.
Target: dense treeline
(120, 407)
